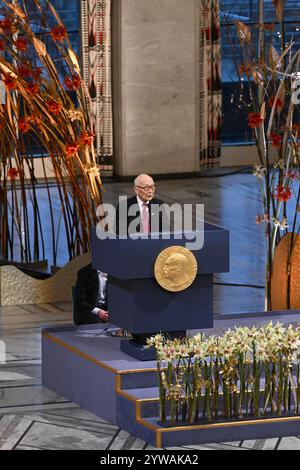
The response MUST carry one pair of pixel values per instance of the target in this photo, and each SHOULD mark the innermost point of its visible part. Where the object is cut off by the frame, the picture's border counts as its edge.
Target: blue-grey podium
(137, 303)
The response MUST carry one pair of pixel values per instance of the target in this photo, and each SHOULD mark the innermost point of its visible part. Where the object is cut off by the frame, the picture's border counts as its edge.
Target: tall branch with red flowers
(271, 75)
(40, 110)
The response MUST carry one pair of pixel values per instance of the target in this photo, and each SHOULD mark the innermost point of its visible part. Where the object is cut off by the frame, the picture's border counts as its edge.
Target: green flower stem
(280, 387)
(207, 392)
(162, 395)
(267, 392)
(298, 388)
(242, 385)
(274, 388)
(217, 387)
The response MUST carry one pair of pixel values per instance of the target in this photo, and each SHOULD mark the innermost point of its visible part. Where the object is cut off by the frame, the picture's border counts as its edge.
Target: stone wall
(155, 53)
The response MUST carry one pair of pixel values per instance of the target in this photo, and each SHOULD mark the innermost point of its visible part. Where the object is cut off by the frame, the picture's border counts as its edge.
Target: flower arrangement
(246, 373)
(271, 102)
(47, 106)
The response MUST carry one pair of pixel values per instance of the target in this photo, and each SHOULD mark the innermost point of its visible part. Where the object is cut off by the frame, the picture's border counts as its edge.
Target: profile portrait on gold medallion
(175, 268)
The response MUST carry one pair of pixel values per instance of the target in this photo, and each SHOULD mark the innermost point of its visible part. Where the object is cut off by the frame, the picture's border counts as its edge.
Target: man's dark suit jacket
(123, 227)
(87, 288)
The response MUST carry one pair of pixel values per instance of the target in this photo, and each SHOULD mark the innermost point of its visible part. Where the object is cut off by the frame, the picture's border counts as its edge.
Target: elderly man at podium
(142, 213)
(91, 285)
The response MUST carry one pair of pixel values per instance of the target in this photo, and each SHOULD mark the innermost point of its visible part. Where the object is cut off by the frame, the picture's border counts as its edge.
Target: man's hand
(103, 315)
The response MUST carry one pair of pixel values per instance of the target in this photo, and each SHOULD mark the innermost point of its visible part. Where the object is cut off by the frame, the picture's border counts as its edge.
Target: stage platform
(87, 367)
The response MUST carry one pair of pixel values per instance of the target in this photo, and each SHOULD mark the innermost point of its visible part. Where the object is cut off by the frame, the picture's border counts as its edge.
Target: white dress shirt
(102, 290)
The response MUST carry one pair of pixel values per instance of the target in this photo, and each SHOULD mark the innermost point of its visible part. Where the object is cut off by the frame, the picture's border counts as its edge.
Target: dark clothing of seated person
(91, 290)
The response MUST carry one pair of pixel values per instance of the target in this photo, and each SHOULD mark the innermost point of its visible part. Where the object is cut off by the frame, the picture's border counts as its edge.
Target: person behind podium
(142, 213)
(91, 291)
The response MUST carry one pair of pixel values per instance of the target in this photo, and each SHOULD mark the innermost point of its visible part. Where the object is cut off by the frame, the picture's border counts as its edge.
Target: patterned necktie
(145, 218)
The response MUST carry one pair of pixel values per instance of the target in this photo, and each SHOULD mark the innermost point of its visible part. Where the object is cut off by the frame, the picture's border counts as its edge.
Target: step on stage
(87, 367)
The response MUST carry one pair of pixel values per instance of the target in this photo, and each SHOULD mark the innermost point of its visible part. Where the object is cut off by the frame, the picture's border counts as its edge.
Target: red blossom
(6, 25)
(276, 140)
(58, 33)
(277, 103)
(32, 88)
(12, 173)
(254, 120)
(53, 106)
(87, 138)
(35, 119)
(72, 149)
(21, 44)
(73, 82)
(10, 83)
(2, 45)
(293, 175)
(24, 70)
(36, 73)
(24, 125)
(284, 194)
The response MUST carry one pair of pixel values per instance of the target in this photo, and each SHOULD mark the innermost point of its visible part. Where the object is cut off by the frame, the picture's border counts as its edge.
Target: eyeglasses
(147, 187)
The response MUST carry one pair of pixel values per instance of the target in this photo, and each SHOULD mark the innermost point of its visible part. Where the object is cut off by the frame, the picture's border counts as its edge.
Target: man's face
(145, 188)
(170, 269)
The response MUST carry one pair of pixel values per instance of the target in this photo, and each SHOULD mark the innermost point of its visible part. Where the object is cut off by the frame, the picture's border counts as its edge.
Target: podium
(137, 303)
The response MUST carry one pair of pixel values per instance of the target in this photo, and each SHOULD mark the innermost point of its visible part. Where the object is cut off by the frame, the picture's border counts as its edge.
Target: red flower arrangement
(32, 88)
(254, 120)
(24, 70)
(58, 33)
(276, 140)
(53, 106)
(7, 26)
(284, 194)
(24, 125)
(72, 149)
(36, 73)
(10, 82)
(12, 173)
(73, 82)
(276, 102)
(21, 44)
(87, 138)
(293, 175)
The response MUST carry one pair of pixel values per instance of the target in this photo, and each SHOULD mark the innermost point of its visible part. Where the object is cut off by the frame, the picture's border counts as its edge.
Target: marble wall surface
(156, 86)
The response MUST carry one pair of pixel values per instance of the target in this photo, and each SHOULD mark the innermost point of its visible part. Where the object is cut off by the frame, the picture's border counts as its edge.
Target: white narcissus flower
(259, 171)
(282, 225)
(280, 164)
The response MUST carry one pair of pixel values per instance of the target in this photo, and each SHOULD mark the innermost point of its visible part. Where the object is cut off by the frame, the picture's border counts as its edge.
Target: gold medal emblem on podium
(175, 268)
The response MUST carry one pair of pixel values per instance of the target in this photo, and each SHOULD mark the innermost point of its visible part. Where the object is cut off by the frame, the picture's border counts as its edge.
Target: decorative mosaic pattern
(210, 84)
(96, 56)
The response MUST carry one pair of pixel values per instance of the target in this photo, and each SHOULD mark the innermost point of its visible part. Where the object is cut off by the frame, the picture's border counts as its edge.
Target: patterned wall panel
(96, 56)
(210, 84)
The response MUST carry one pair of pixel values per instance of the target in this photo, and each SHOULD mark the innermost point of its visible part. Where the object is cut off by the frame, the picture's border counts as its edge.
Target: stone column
(155, 54)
